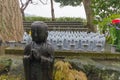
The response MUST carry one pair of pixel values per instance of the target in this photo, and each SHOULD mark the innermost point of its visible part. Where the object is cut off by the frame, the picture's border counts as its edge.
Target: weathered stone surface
(38, 55)
(97, 69)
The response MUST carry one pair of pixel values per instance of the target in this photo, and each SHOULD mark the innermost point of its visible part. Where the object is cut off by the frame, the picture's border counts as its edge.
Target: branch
(26, 4)
(34, 3)
(21, 3)
(43, 2)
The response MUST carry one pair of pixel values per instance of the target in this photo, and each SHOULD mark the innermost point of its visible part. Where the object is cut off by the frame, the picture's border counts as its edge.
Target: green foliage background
(33, 18)
(69, 2)
(104, 8)
(103, 27)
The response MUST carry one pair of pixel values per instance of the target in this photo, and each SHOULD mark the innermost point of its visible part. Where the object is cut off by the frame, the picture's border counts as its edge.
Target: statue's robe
(39, 64)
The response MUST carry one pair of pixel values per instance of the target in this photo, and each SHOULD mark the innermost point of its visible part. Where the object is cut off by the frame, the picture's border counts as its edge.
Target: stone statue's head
(39, 31)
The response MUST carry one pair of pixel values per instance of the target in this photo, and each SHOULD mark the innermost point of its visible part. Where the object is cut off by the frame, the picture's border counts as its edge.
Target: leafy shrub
(37, 19)
(57, 19)
(64, 71)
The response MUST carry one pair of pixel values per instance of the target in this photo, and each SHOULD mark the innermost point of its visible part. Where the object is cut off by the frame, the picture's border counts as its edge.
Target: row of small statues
(73, 40)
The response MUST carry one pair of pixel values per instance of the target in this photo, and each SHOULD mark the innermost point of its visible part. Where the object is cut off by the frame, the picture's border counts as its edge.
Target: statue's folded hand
(27, 56)
(46, 59)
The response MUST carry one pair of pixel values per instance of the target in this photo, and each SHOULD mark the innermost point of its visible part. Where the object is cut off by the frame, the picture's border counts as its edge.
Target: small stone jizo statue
(38, 55)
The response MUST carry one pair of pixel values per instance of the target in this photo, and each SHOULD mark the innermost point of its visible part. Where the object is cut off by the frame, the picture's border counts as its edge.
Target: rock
(97, 70)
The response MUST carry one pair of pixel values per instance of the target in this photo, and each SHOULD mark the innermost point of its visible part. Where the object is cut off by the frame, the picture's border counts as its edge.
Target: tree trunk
(88, 10)
(11, 25)
(52, 11)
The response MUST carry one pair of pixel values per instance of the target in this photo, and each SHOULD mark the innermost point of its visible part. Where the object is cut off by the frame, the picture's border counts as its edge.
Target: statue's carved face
(39, 32)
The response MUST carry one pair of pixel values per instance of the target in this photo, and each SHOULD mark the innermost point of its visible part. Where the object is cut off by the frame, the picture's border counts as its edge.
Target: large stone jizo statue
(38, 55)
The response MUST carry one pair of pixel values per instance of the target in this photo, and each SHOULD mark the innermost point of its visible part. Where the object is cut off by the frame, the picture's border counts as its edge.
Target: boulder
(97, 69)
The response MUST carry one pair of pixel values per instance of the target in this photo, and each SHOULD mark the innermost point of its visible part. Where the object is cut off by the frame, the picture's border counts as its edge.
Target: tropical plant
(110, 31)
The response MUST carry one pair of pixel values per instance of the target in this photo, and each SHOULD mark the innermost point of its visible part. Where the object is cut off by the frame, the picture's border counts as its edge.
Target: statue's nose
(35, 34)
